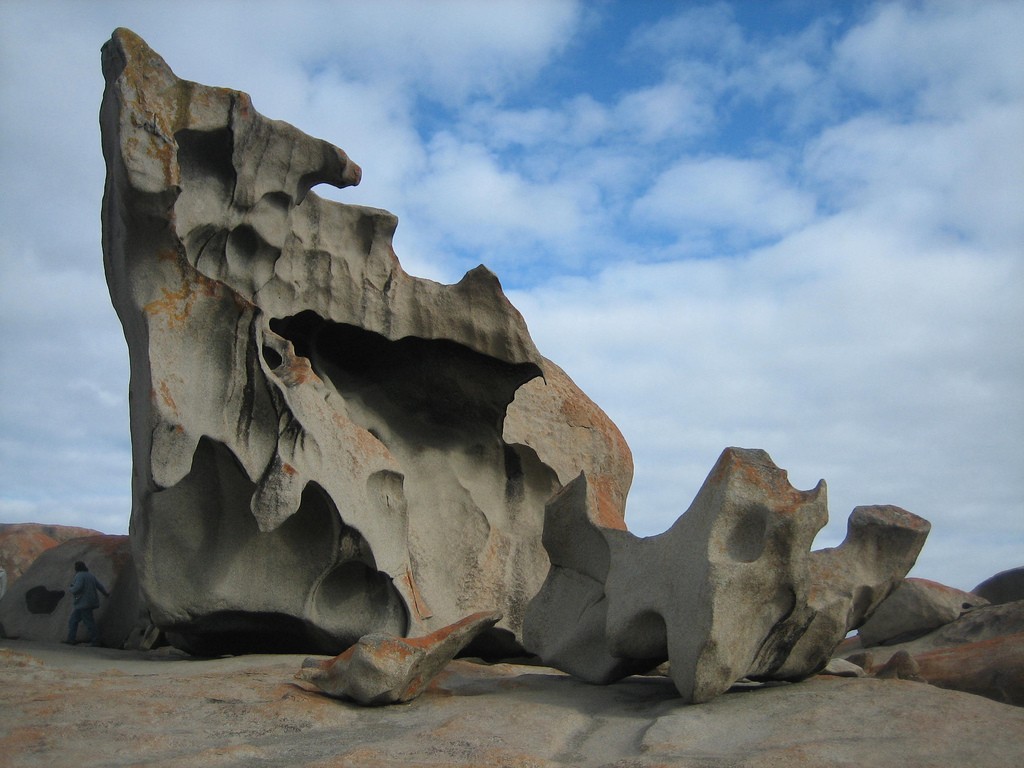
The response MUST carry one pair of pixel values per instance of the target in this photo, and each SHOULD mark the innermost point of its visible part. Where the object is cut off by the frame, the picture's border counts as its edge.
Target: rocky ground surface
(80, 706)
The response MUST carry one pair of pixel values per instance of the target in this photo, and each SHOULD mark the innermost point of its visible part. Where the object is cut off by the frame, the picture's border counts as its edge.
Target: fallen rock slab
(98, 707)
(384, 669)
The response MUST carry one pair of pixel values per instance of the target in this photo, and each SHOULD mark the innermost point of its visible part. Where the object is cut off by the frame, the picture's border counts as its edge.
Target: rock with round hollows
(731, 590)
(324, 446)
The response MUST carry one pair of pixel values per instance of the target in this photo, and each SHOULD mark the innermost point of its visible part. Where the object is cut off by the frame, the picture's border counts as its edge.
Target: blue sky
(786, 225)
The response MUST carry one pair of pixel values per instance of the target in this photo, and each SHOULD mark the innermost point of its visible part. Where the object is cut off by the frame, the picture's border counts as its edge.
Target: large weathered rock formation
(326, 447)
(731, 590)
(323, 445)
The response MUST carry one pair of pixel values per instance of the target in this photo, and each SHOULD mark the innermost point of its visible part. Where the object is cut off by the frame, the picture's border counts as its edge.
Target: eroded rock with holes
(37, 605)
(323, 445)
(384, 669)
(22, 543)
(731, 590)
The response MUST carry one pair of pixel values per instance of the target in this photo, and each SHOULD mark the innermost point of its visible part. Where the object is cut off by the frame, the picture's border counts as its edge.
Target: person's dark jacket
(85, 588)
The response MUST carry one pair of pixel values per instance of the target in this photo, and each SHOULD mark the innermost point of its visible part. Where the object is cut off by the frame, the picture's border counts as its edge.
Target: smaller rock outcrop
(900, 666)
(993, 668)
(731, 590)
(385, 669)
(22, 543)
(981, 652)
(37, 606)
(843, 668)
(915, 608)
(1005, 587)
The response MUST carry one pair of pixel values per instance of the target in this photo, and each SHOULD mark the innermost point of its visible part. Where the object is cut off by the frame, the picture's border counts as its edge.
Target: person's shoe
(69, 642)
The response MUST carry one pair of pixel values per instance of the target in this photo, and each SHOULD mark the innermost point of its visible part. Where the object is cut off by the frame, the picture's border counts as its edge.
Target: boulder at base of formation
(37, 606)
(384, 669)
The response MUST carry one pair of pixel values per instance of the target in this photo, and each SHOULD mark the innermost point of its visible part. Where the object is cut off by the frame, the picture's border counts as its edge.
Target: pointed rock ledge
(731, 590)
(324, 446)
(384, 669)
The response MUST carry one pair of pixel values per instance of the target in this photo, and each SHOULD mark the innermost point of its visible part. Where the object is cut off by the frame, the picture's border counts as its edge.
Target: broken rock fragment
(385, 669)
(731, 590)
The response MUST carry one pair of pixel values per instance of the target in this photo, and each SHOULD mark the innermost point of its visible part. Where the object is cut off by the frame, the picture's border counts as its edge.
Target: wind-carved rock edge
(730, 591)
(323, 445)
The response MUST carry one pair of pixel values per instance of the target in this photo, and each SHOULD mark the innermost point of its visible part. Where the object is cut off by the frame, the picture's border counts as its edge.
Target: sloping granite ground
(81, 706)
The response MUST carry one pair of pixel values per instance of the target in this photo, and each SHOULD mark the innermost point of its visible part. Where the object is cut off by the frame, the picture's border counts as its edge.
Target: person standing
(3, 581)
(85, 589)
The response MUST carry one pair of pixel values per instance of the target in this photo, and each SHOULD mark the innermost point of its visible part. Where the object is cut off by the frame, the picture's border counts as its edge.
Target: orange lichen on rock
(384, 669)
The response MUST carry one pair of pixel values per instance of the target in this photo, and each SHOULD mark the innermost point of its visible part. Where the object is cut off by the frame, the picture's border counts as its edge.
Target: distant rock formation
(323, 445)
(731, 590)
(37, 605)
(981, 652)
(916, 607)
(1005, 587)
(22, 543)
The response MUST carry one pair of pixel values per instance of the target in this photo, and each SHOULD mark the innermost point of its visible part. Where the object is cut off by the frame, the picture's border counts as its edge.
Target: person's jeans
(85, 616)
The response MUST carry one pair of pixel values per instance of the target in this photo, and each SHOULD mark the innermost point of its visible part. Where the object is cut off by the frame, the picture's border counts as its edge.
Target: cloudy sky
(796, 226)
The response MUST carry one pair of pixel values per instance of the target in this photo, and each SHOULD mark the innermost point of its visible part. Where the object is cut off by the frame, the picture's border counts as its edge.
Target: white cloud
(451, 49)
(944, 56)
(663, 111)
(955, 177)
(745, 196)
(473, 202)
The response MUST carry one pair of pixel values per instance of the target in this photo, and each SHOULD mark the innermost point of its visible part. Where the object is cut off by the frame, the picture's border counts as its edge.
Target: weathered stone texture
(37, 605)
(323, 445)
(384, 669)
(22, 543)
(731, 590)
(93, 708)
(916, 607)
